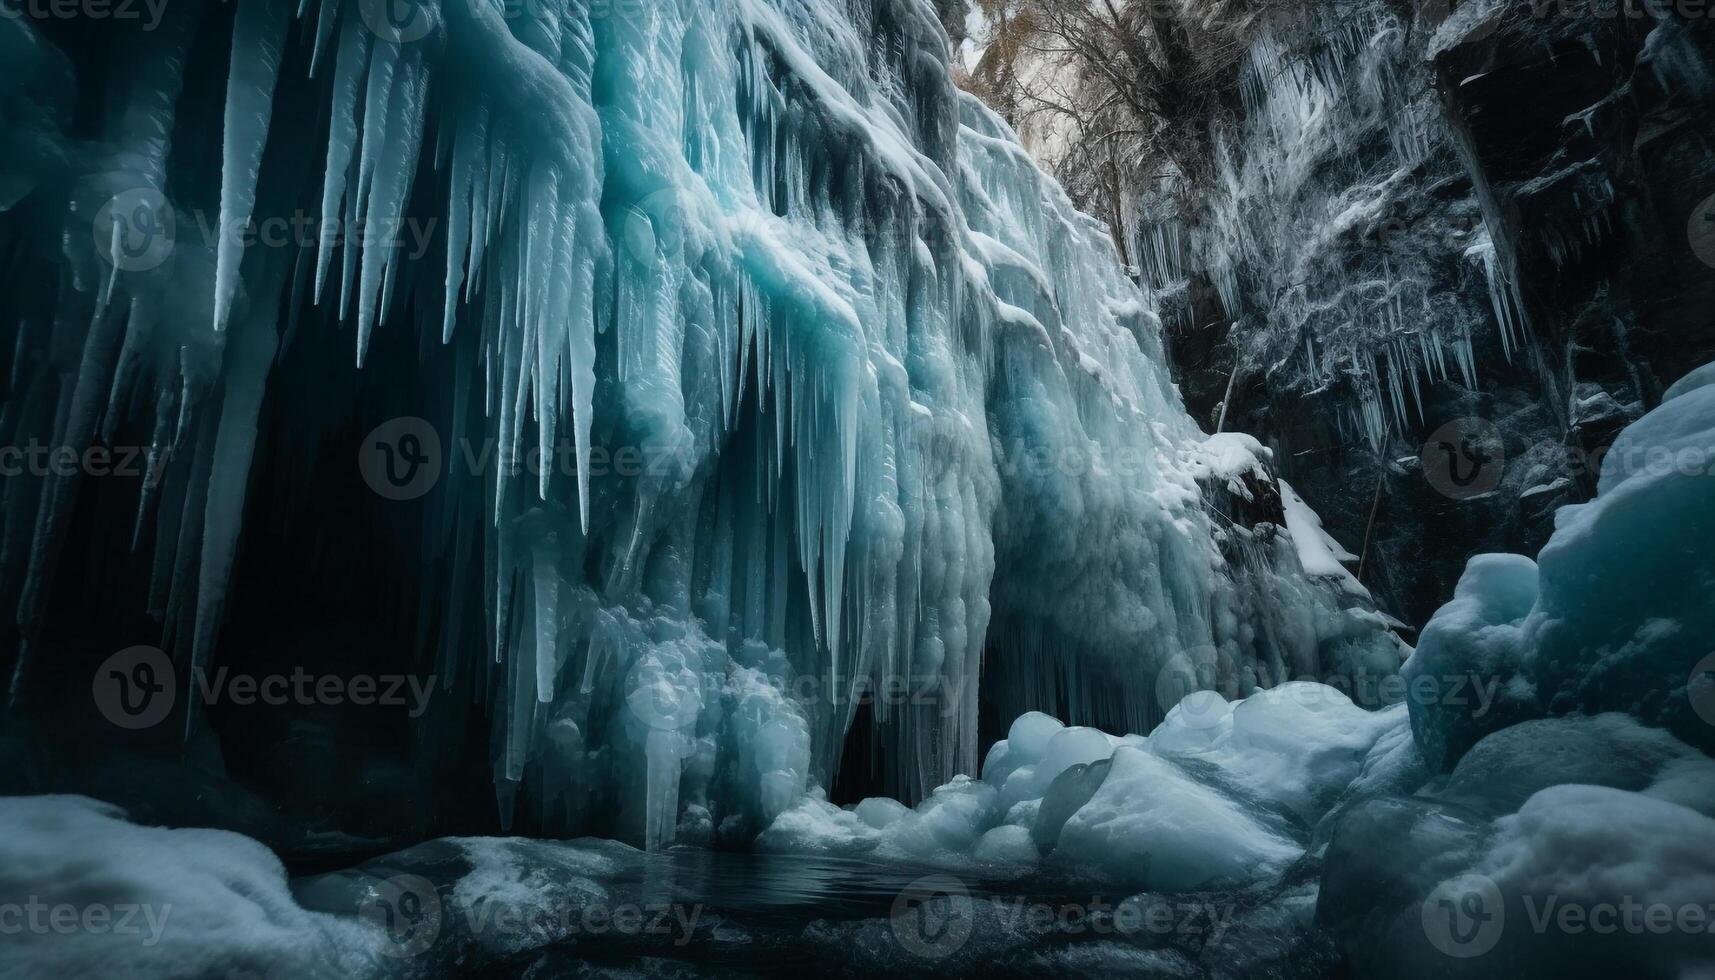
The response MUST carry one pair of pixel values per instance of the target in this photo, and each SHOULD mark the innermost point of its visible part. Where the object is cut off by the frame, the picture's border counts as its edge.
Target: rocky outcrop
(1440, 330)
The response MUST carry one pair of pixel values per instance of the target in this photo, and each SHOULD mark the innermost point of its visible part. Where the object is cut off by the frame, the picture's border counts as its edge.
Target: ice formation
(153, 902)
(1465, 776)
(1582, 783)
(1302, 810)
(1314, 229)
(1219, 794)
(1597, 813)
(1611, 616)
(894, 405)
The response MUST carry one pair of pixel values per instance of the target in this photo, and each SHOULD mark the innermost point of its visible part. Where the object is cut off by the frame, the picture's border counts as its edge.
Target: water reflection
(791, 886)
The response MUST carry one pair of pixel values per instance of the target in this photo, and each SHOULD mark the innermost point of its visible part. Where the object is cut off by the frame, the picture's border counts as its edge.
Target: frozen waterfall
(793, 377)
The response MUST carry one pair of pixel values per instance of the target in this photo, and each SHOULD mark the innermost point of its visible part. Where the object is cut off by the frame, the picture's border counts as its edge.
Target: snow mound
(1564, 847)
(103, 897)
(1614, 613)
(1220, 793)
(1152, 826)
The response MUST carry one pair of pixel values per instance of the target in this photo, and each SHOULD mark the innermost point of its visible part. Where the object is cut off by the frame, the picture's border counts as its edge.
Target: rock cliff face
(1437, 260)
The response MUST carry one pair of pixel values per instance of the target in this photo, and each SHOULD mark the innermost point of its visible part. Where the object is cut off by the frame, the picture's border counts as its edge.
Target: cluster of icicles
(762, 242)
(1288, 173)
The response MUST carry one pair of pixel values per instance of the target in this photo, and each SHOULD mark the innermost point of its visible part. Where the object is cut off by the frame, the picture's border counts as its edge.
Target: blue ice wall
(891, 404)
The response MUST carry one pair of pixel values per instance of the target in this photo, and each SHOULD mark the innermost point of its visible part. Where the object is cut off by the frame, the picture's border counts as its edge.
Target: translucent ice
(846, 391)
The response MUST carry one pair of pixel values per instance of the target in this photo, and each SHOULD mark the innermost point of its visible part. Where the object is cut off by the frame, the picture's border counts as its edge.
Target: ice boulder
(1614, 750)
(1220, 793)
(1615, 614)
(1006, 844)
(1068, 794)
(1576, 846)
(945, 828)
(1153, 827)
(949, 822)
(1038, 749)
(815, 826)
(1292, 749)
(1624, 618)
(1467, 678)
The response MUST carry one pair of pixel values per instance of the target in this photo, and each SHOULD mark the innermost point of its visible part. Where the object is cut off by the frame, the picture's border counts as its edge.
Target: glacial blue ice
(1219, 794)
(1611, 616)
(902, 415)
(1465, 776)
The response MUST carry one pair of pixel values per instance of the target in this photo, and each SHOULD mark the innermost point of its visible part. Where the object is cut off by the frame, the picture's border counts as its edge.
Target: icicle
(258, 35)
(342, 139)
(547, 609)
